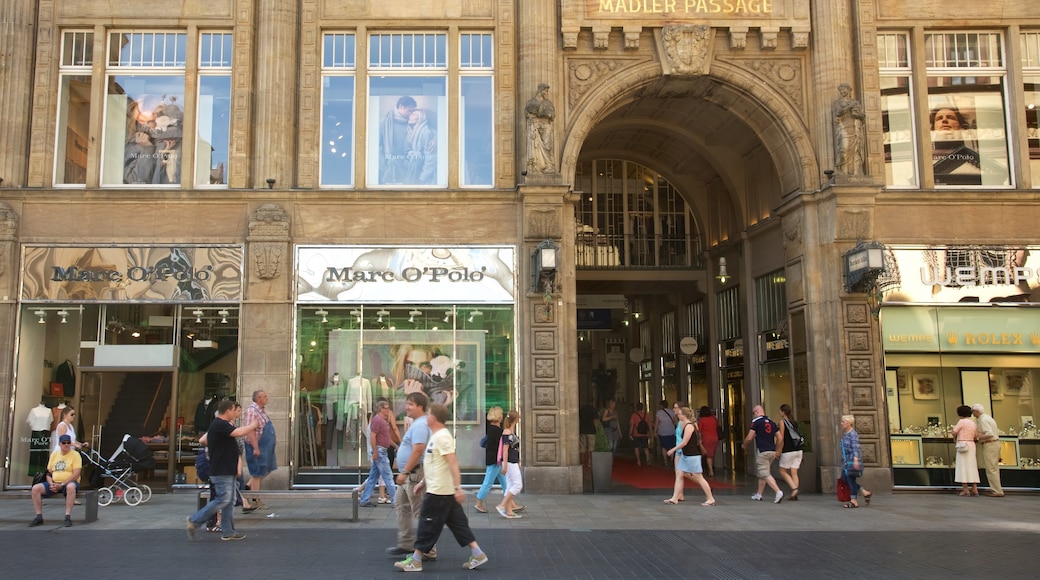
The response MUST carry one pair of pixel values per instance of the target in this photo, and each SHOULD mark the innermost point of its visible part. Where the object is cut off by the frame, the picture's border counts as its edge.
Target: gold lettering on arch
(672, 8)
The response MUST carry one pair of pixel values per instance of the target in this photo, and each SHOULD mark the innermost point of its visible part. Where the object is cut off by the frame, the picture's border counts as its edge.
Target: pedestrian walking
(765, 433)
(790, 449)
(689, 451)
(493, 471)
(639, 431)
(509, 459)
(407, 502)
(852, 462)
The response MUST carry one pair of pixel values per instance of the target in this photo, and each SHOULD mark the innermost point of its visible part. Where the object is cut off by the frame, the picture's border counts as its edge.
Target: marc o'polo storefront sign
(133, 273)
(427, 274)
(961, 329)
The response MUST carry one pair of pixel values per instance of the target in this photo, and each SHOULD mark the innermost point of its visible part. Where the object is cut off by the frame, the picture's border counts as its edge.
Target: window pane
(143, 130)
(73, 130)
(897, 119)
(147, 49)
(410, 115)
(339, 51)
(214, 130)
(1032, 96)
(475, 51)
(215, 51)
(968, 128)
(337, 131)
(476, 117)
(77, 49)
(408, 51)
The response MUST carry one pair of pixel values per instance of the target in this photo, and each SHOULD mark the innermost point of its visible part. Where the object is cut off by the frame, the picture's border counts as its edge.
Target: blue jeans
(853, 484)
(493, 472)
(379, 470)
(224, 501)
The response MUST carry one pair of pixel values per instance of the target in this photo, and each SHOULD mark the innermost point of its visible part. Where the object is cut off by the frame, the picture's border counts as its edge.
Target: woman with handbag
(852, 462)
(791, 455)
(690, 452)
(492, 441)
(967, 471)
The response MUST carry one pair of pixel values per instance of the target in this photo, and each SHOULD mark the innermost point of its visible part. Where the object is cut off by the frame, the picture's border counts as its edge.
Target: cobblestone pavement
(576, 536)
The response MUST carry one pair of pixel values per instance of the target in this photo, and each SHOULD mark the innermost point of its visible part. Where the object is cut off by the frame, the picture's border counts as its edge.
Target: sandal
(709, 503)
(480, 509)
(794, 495)
(851, 505)
(670, 501)
(866, 497)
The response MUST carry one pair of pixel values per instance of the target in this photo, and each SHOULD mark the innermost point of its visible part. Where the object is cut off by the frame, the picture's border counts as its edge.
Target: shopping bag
(844, 493)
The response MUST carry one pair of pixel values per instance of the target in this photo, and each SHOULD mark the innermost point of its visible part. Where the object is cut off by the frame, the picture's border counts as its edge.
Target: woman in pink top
(965, 432)
(708, 425)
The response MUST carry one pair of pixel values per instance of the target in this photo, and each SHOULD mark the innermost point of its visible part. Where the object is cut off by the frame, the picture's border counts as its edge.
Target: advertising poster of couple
(412, 135)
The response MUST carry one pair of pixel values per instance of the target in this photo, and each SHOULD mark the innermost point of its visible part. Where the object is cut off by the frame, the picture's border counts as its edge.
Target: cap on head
(64, 439)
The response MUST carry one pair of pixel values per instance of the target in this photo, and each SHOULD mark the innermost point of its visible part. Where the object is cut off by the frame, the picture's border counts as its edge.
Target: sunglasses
(65, 443)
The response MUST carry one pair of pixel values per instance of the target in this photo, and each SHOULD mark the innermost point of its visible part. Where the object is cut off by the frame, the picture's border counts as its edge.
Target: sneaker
(757, 497)
(367, 504)
(779, 497)
(409, 565)
(234, 536)
(397, 551)
(37, 521)
(250, 509)
(430, 556)
(475, 561)
(67, 523)
(191, 529)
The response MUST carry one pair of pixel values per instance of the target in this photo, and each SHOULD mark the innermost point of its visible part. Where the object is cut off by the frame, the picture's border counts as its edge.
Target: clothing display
(205, 412)
(334, 391)
(39, 421)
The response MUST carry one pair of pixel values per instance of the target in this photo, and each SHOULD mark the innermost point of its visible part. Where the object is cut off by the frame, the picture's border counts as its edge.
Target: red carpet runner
(626, 472)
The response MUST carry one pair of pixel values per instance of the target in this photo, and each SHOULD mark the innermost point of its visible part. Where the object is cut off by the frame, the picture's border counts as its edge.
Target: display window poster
(409, 136)
(969, 137)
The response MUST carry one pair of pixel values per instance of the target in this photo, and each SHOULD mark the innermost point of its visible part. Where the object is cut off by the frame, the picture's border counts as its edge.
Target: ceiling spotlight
(324, 314)
(447, 315)
(223, 315)
(412, 314)
(136, 334)
(357, 314)
(42, 315)
(198, 316)
(381, 312)
(475, 313)
(64, 314)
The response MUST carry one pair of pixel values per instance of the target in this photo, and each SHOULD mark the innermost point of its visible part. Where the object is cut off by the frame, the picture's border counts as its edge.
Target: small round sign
(688, 345)
(635, 355)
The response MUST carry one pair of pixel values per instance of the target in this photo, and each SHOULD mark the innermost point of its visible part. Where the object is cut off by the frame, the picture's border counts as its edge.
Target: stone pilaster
(832, 64)
(17, 45)
(538, 62)
(275, 92)
(266, 313)
(8, 308)
(548, 373)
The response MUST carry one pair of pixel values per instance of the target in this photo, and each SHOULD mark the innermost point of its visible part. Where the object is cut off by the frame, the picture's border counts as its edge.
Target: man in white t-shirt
(442, 503)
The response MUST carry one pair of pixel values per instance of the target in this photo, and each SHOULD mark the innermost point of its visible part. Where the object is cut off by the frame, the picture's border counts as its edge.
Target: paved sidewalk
(603, 536)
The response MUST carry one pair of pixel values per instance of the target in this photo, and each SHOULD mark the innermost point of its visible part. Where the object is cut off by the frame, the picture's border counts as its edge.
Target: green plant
(602, 444)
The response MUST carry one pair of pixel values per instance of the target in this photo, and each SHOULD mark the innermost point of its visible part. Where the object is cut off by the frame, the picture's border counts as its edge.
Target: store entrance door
(733, 410)
(118, 402)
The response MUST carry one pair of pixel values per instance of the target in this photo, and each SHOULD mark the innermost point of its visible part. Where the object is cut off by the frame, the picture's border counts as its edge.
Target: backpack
(798, 440)
(642, 427)
(202, 466)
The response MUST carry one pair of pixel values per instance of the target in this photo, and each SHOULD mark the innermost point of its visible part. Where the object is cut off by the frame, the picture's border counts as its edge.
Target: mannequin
(334, 392)
(39, 421)
(202, 415)
(358, 400)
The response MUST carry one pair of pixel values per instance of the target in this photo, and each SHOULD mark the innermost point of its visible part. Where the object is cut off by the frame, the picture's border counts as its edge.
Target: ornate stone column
(274, 93)
(17, 45)
(266, 314)
(8, 308)
(832, 64)
(538, 62)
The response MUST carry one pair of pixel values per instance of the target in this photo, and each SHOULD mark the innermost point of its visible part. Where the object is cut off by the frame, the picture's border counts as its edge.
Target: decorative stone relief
(269, 222)
(632, 36)
(545, 396)
(738, 37)
(784, 73)
(543, 315)
(800, 39)
(861, 368)
(8, 232)
(543, 224)
(855, 224)
(866, 424)
(859, 341)
(545, 368)
(863, 397)
(792, 225)
(769, 36)
(869, 451)
(545, 423)
(544, 340)
(584, 75)
(856, 313)
(685, 48)
(267, 257)
(546, 452)
(600, 37)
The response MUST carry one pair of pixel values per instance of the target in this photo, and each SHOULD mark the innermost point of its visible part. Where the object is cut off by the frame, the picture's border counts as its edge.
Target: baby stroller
(132, 454)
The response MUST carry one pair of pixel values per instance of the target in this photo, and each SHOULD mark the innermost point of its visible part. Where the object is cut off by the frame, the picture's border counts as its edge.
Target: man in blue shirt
(410, 466)
(766, 435)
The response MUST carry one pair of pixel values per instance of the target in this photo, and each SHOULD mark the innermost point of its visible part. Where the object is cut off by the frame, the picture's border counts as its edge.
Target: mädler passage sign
(678, 8)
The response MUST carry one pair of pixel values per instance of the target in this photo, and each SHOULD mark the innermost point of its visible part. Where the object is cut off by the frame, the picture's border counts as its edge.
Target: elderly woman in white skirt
(690, 452)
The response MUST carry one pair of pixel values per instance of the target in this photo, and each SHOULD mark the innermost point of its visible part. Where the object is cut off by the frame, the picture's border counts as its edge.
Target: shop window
(897, 111)
(1031, 82)
(351, 356)
(967, 117)
(408, 109)
(476, 110)
(337, 110)
(73, 123)
(213, 126)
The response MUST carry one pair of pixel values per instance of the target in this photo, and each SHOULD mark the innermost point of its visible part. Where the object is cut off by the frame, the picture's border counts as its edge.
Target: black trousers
(436, 511)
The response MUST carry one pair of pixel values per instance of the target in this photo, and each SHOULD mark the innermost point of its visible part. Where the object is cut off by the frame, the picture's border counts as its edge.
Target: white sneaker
(409, 565)
(757, 497)
(779, 497)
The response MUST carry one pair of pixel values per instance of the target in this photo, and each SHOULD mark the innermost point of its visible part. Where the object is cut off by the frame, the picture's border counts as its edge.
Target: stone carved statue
(540, 114)
(848, 132)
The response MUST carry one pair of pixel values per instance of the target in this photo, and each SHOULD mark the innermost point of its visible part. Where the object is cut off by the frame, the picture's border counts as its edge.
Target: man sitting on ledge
(63, 471)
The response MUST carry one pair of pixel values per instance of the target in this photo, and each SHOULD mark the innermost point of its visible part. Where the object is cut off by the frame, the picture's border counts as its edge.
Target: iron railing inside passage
(605, 251)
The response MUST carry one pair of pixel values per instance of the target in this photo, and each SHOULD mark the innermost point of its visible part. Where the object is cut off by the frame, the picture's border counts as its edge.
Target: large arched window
(630, 216)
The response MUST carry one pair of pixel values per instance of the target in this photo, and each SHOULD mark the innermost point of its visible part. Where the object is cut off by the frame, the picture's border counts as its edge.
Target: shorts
(586, 443)
(666, 441)
(641, 442)
(62, 490)
(791, 459)
(762, 462)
